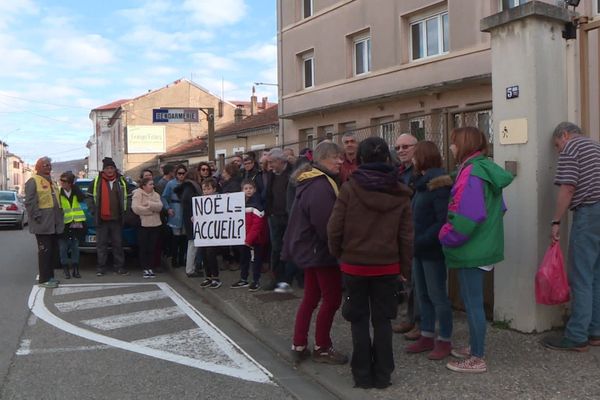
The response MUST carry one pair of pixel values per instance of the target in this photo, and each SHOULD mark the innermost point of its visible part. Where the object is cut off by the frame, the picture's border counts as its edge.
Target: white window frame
(308, 8)
(310, 141)
(597, 7)
(221, 151)
(365, 62)
(238, 150)
(310, 57)
(420, 121)
(257, 147)
(423, 36)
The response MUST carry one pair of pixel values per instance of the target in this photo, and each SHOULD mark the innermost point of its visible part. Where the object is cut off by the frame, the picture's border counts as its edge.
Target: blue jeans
(471, 291)
(430, 278)
(66, 244)
(584, 274)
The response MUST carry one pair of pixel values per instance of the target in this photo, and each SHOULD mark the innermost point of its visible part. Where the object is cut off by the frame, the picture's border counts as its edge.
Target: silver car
(12, 209)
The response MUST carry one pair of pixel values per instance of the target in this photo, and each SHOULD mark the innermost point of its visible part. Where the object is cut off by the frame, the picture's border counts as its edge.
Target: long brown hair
(427, 156)
(468, 140)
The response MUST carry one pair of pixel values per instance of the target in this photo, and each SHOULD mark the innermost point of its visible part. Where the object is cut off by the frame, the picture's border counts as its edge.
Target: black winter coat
(186, 191)
(429, 209)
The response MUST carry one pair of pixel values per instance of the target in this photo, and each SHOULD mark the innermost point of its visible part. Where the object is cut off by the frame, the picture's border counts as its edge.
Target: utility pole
(210, 118)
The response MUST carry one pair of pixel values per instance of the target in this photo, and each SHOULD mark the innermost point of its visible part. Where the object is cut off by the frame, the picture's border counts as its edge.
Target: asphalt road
(118, 337)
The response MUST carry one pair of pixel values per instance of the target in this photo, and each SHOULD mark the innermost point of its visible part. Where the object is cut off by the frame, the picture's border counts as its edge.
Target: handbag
(551, 283)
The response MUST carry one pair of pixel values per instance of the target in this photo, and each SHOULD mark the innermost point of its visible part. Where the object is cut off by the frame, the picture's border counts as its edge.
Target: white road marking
(26, 350)
(108, 301)
(239, 364)
(62, 290)
(135, 318)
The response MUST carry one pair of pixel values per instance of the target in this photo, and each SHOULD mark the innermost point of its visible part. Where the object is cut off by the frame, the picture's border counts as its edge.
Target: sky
(62, 58)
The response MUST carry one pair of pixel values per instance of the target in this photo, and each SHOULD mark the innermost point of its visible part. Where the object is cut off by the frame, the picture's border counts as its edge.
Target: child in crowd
(209, 254)
(256, 238)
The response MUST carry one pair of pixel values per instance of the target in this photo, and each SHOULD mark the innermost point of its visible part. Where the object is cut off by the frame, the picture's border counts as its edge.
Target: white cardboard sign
(219, 220)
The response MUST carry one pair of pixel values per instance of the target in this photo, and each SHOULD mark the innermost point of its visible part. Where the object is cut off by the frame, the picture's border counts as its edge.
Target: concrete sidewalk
(519, 367)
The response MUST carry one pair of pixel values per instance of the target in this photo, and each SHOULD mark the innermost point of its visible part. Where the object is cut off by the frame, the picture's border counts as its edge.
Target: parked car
(88, 242)
(12, 209)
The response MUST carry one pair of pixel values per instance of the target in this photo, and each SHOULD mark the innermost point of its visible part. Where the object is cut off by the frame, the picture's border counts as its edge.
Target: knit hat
(108, 162)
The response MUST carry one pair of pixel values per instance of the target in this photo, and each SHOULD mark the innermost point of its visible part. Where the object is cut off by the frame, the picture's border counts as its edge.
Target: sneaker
(146, 274)
(461, 352)
(151, 274)
(594, 341)
(254, 286)
(122, 271)
(473, 365)
(100, 272)
(562, 343)
(206, 283)
(441, 350)
(195, 274)
(421, 345)
(329, 356)
(215, 284)
(283, 287)
(240, 284)
(49, 284)
(299, 354)
(54, 280)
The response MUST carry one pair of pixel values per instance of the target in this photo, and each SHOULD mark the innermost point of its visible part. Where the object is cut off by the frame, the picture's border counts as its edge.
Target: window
(506, 4)
(430, 37)
(308, 71)
(325, 132)
(238, 150)
(308, 136)
(597, 7)
(362, 55)
(417, 128)
(307, 8)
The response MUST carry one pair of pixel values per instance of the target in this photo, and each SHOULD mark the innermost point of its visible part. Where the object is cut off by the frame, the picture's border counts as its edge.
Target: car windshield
(8, 196)
(84, 185)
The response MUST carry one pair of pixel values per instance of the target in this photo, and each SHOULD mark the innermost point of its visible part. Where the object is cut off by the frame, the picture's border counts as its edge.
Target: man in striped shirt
(578, 178)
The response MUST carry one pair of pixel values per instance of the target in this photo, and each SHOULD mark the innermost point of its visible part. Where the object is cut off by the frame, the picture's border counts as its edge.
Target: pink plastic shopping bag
(551, 284)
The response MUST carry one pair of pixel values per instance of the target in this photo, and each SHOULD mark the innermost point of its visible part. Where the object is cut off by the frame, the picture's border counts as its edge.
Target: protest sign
(219, 220)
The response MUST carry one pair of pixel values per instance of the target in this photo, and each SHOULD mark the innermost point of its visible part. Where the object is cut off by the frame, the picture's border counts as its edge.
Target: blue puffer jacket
(430, 209)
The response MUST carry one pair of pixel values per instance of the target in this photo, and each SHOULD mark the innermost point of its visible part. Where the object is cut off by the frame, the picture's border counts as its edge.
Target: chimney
(253, 106)
(265, 101)
(238, 114)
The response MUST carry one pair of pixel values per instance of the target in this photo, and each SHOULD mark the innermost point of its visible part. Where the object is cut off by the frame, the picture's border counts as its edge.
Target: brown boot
(441, 350)
(413, 334)
(403, 327)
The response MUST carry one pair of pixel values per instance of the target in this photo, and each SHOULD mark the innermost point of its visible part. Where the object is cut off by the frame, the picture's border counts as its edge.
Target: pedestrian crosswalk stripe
(62, 290)
(108, 301)
(205, 347)
(135, 318)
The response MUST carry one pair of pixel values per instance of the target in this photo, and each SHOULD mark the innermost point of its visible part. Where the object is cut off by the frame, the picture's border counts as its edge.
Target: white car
(12, 209)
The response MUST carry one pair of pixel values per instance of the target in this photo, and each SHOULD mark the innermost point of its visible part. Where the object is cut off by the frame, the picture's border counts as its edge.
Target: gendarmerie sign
(174, 115)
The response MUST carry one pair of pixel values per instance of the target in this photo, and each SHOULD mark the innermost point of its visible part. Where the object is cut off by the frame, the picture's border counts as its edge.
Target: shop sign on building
(146, 139)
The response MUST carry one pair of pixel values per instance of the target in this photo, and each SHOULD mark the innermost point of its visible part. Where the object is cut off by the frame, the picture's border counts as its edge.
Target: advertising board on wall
(146, 139)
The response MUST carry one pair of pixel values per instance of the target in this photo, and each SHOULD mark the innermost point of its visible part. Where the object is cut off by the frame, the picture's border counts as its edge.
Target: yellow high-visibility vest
(120, 181)
(73, 212)
(44, 191)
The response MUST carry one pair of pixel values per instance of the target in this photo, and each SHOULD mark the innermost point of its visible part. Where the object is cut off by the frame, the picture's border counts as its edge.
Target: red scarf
(105, 197)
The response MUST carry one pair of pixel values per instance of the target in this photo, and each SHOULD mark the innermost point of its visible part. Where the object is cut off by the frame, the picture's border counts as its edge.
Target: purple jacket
(305, 239)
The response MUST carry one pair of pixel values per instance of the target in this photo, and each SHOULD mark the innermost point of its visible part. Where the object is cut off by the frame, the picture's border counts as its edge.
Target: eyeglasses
(64, 180)
(403, 147)
(181, 173)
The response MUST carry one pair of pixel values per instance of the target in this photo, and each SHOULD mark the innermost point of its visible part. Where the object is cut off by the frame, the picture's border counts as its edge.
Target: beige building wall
(255, 140)
(180, 94)
(395, 84)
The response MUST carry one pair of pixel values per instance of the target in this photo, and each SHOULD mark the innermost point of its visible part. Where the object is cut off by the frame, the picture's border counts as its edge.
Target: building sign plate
(174, 115)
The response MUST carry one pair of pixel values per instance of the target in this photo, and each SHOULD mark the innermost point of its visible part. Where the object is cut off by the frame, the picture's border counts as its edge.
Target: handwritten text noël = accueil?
(207, 205)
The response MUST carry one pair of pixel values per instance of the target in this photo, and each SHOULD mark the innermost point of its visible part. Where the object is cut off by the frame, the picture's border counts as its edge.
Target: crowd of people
(357, 227)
